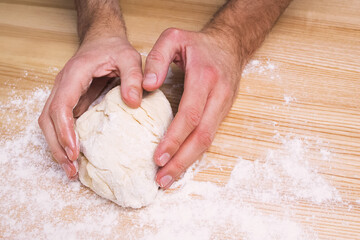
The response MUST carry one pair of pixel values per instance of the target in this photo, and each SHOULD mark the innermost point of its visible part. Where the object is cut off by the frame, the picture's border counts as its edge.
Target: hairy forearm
(99, 18)
(245, 23)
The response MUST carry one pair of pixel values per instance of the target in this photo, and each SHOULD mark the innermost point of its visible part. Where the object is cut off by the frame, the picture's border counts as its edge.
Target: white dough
(117, 145)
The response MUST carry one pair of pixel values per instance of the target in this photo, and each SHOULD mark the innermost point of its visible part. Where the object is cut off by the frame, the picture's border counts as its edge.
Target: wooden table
(313, 93)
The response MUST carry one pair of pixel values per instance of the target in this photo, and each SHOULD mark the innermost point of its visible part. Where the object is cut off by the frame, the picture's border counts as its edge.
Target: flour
(288, 99)
(37, 201)
(284, 174)
(53, 70)
(144, 54)
(267, 68)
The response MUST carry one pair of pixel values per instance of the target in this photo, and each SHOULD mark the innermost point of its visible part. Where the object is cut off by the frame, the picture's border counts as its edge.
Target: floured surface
(298, 107)
(280, 195)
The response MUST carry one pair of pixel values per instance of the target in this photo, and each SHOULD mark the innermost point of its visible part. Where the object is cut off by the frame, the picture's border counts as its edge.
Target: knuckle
(173, 33)
(54, 108)
(174, 142)
(192, 117)
(156, 55)
(180, 166)
(58, 156)
(134, 74)
(61, 135)
(131, 53)
(62, 138)
(204, 138)
(75, 62)
(56, 112)
(41, 120)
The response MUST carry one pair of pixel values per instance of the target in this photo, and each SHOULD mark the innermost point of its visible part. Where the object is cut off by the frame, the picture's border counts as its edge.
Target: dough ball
(117, 144)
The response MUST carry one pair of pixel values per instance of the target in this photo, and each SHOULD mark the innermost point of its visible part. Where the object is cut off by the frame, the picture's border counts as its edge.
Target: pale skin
(212, 60)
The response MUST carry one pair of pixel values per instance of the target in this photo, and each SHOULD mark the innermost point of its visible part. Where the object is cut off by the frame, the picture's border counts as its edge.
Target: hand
(99, 59)
(212, 73)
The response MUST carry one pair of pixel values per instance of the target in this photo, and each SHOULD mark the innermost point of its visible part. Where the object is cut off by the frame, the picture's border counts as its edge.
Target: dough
(117, 144)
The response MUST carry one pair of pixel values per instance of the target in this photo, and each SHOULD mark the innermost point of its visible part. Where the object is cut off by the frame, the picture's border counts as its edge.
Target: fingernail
(165, 180)
(164, 158)
(67, 169)
(134, 95)
(150, 79)
(69, 153)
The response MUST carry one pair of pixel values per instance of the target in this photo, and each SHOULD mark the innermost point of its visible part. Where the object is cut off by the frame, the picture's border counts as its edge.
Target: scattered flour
(267, 68)
(288, 99)
(284, 174)
(37, 201)
(53, 70)
(144, 54)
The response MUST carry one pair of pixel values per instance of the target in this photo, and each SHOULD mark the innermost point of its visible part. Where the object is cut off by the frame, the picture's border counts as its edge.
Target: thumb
(131, 76)
(165, 50)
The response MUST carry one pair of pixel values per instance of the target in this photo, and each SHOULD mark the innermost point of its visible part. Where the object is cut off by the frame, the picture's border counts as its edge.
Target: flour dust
(37, 201)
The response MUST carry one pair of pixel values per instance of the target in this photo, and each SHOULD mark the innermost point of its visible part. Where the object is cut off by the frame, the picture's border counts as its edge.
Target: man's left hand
(212, 73)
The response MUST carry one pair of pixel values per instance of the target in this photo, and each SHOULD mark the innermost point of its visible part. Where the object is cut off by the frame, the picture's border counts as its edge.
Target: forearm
(99, 18)
(245, 23)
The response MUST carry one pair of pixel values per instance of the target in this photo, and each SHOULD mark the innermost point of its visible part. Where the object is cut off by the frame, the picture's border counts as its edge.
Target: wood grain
(315, 46)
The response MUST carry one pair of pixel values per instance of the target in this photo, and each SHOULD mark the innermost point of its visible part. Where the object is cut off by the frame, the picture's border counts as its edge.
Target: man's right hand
(97, 58)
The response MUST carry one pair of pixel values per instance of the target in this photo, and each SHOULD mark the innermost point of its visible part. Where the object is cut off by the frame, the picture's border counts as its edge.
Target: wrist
(228, 40)
(102, 43)
(97, 31)
(243, 25)
(99, 19)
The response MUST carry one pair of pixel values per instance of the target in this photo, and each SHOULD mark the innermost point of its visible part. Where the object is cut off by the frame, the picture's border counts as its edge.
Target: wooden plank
(310, 90)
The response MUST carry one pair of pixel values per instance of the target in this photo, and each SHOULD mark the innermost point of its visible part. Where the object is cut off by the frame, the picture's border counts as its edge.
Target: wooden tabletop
(303, 83)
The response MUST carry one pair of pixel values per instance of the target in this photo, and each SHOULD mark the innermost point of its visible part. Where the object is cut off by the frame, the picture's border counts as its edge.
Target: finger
(197, 143)
(96, 88)
(164, 51)
(57, 151)
(131, 78)
(70, 87)
(192, 104)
